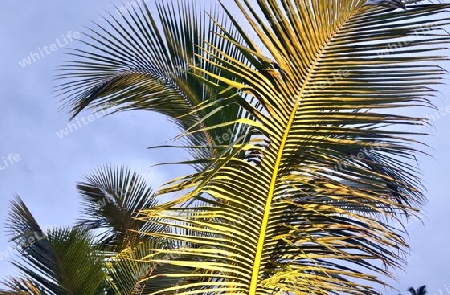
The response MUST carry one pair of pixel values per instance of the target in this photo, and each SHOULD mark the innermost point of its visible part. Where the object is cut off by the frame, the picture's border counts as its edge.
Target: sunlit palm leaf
(279, 225)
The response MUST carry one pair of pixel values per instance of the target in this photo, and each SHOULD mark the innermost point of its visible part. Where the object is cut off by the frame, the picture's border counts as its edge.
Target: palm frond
(422, 290)
(142, 62)
(278, 226)
(111, 199)
(129, 272)
(412, 291)
(21, 225)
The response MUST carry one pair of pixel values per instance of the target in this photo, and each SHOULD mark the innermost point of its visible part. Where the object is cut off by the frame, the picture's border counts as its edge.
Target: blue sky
(49, 166)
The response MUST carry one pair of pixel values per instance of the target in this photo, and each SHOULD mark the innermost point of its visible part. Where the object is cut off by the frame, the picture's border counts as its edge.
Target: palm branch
(278, 226)
(106, 238)
(111, 200)
(137, 61)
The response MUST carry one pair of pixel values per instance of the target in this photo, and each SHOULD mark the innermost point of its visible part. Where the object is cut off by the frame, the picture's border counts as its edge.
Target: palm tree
(111, 201)
(100, 254)
(59, 261)
(266, 210)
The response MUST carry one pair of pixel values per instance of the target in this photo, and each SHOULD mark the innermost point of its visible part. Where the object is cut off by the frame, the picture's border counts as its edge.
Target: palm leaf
(142, 62)
(422, 290)
(111, 199)
(278, 226)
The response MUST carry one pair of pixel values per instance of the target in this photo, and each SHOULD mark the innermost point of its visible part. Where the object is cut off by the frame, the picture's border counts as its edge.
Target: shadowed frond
(21, 225)
(387, 3)
(138, 61)
(422, 290)
(111, 199)
(129, 273)
(278, 226)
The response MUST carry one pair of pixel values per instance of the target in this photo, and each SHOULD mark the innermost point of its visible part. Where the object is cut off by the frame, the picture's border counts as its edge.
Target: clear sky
(44, 168)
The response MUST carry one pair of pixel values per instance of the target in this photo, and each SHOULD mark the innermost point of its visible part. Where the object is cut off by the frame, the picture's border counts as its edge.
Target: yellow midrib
(261, 240)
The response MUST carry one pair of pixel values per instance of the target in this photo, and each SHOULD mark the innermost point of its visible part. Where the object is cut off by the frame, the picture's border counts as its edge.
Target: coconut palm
(267, 211)
(59, 261)
(97, 256)
(111, 201)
